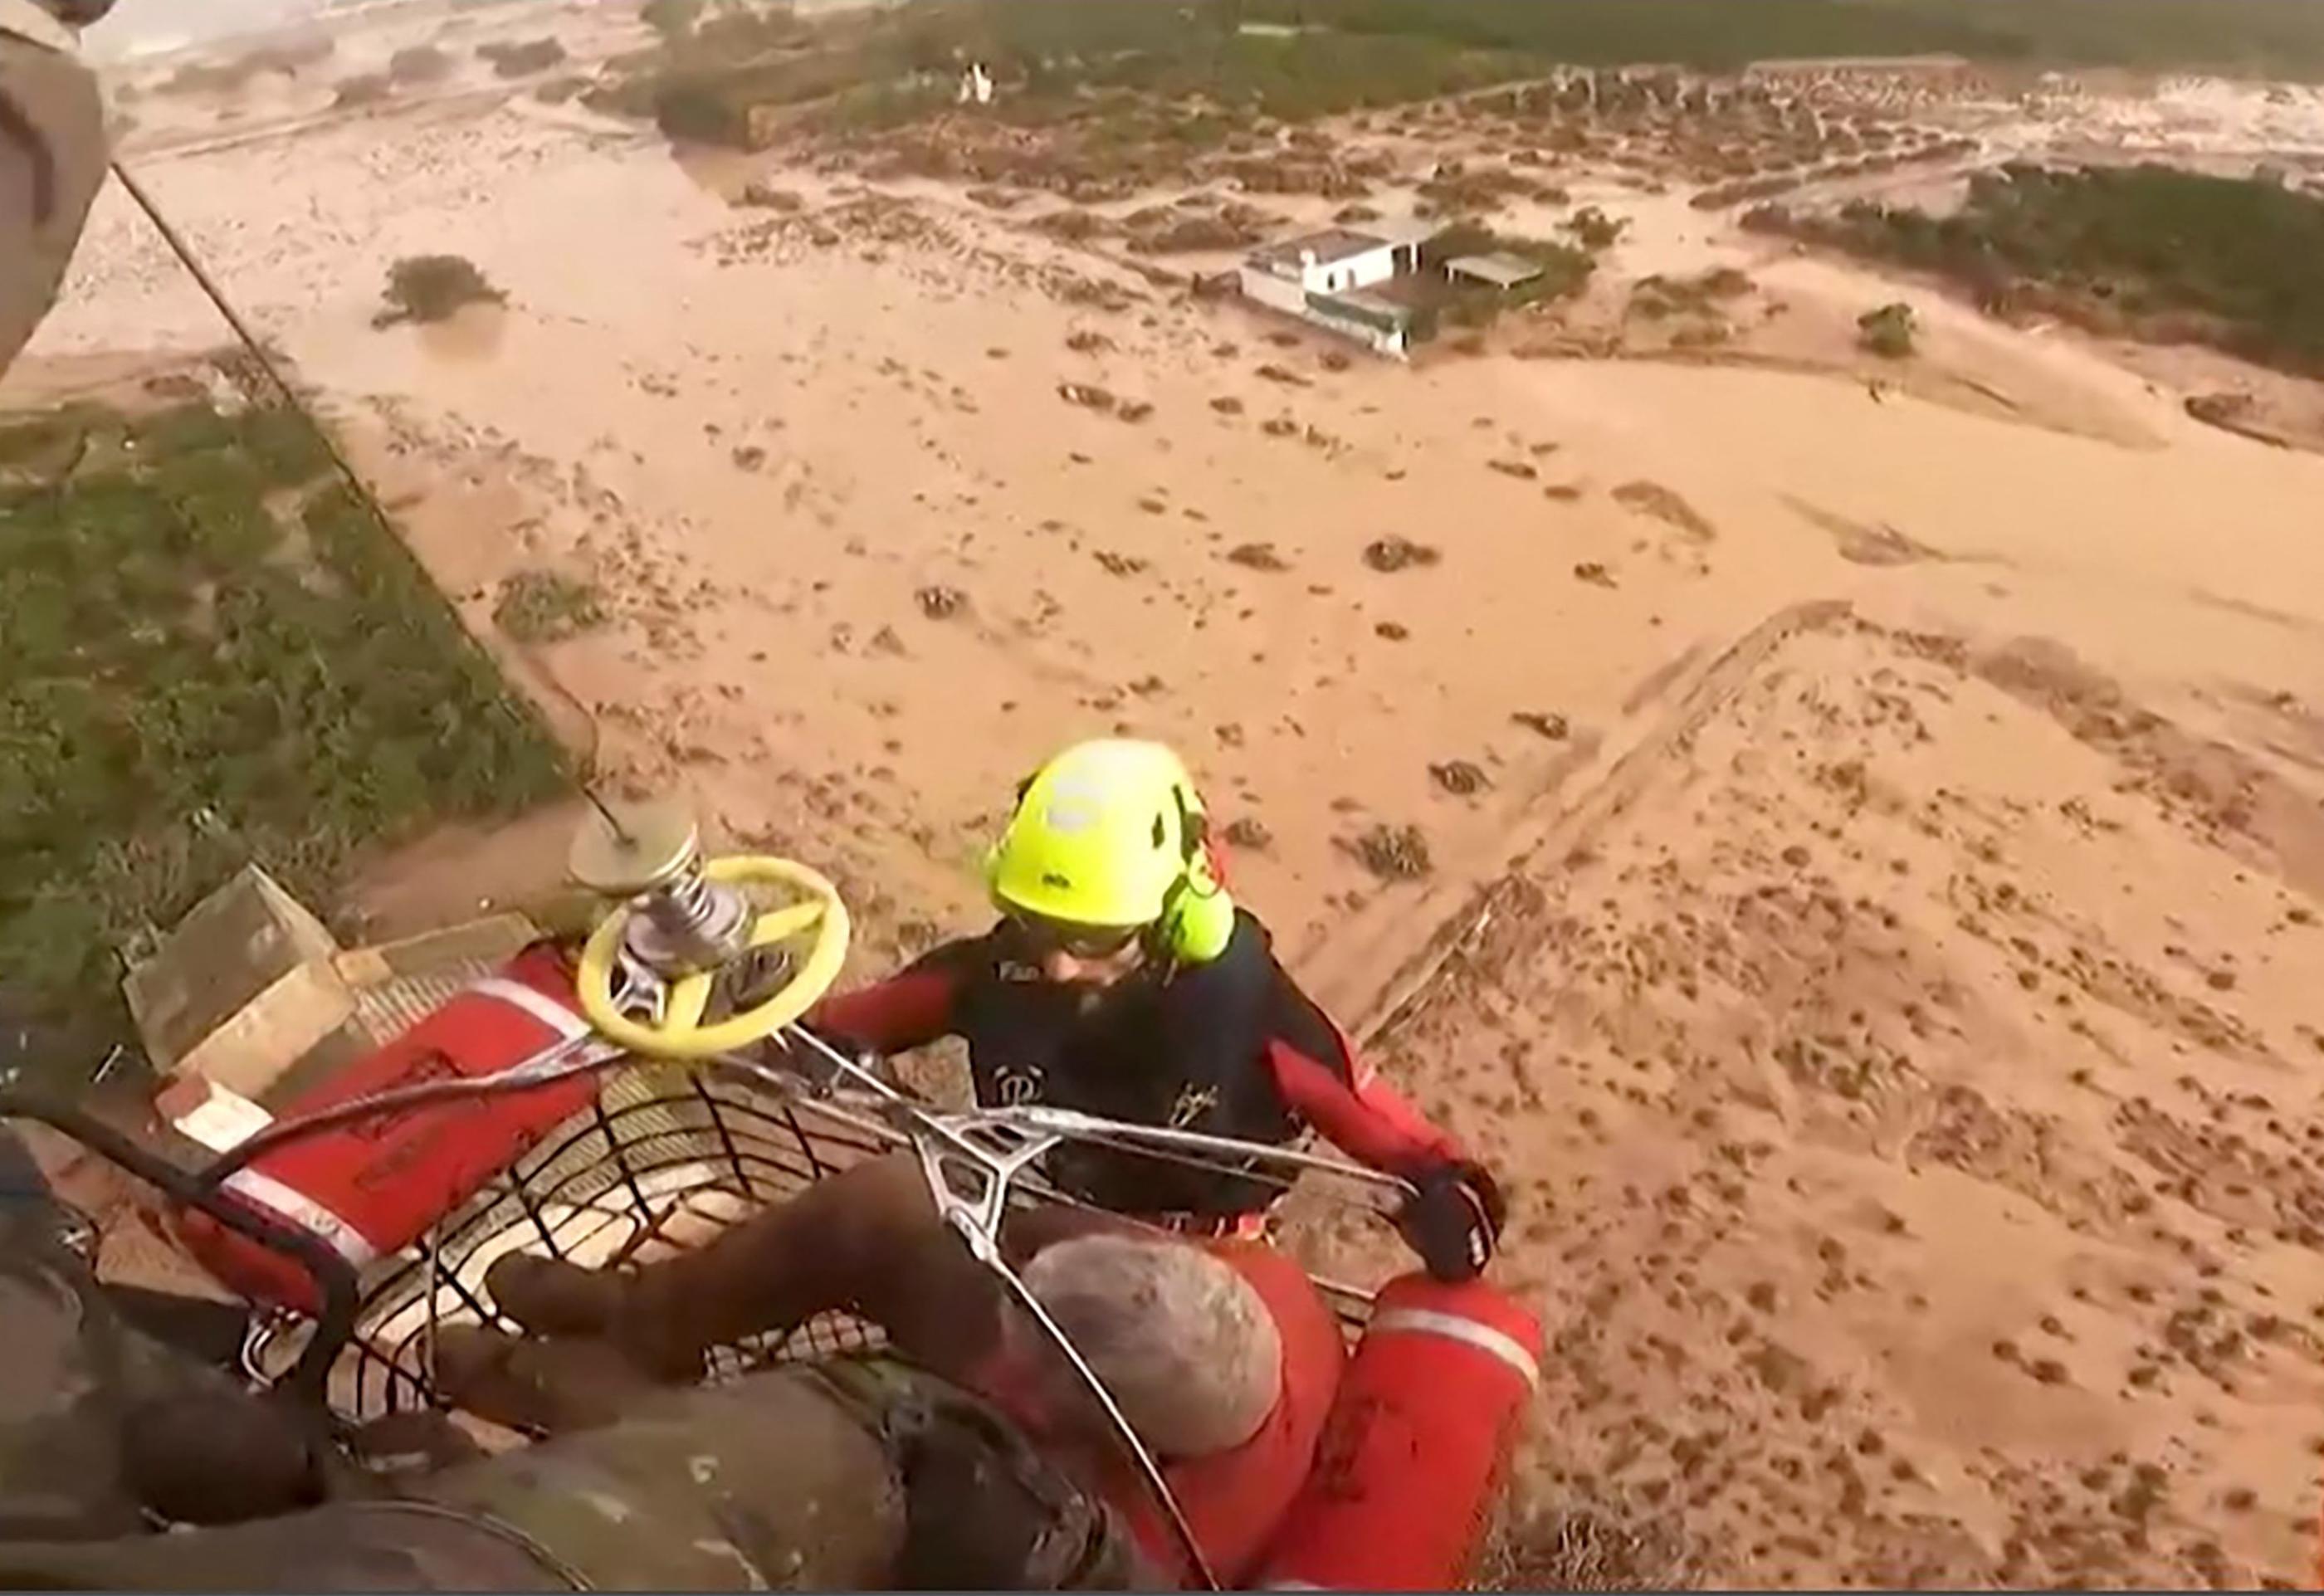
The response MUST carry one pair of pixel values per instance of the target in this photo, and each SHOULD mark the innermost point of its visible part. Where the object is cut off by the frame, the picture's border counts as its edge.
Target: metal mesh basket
(663, 1161)
(659, 1163)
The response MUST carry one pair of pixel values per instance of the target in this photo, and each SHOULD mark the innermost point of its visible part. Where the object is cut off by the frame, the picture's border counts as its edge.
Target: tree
(1593, 229)
(431, 288)
(1887, 331)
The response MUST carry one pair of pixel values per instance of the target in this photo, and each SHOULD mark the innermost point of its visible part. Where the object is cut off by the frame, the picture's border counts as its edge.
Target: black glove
(813, 1065)
(1453, 1221)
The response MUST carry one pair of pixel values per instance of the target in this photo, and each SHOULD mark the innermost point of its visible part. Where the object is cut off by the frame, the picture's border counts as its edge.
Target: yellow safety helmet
(1110, 835)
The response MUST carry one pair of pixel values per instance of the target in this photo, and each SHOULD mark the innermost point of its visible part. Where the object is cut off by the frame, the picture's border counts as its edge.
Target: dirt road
(1854, 861)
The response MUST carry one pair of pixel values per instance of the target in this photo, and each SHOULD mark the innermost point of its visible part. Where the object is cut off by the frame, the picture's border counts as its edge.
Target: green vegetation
(516, 60)
(212, 652)
(1594, 230)
(1293, 60)
(431, 288)
(286, 58)
(713, 107)
(892, 67)
(714, 68)
(1886, 331)
(697, 113)
(209, 77)
(1292, 78)
(2270, 38)
(2141, 251)
(545, 606)
(1657, 297)
(1689, 312)
(362, 88)
(1564, 272)
(421, 63)
(1564, 269)
(1458, 189)
(47, 443)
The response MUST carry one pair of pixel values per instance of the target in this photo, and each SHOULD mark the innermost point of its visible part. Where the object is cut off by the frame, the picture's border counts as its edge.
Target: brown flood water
(1882, 953)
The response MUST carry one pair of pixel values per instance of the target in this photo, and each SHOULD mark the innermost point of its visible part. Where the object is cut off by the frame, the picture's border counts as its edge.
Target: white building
(1325, 278)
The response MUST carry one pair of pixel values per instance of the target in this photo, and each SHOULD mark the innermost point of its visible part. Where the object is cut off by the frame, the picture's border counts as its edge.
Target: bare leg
(867, 1241)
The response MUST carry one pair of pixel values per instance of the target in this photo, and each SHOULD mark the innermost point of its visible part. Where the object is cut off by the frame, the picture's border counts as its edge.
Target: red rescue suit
(1377, 1472)
(1229, 1048)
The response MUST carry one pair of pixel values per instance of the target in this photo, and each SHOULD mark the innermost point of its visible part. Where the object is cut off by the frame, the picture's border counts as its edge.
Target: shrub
(545, 606)
(1461, 238)
(1593, 229)
(431, 288)
(1887, 331)
(517, 60)
(208, 77)
(1658, 297)
(364, 88)
(290, 56)
(1563, 270)
(696, 111)
(421, 63)
(2144, 252)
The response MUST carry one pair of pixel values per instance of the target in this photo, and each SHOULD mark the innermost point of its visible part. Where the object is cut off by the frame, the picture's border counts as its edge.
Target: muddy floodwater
(1872, 916)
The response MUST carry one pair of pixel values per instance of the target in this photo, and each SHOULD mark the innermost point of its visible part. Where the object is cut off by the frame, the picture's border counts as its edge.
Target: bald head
(1184, 1341)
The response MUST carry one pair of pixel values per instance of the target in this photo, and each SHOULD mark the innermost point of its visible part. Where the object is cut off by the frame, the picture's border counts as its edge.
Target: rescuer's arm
(909, 1008)
(1454, 1218)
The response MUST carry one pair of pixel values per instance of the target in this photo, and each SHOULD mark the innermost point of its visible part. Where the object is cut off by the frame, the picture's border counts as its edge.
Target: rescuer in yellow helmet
(1121, 979)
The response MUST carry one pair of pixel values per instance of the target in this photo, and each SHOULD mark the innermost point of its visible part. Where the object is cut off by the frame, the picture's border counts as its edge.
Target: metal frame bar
(334, 1277)
(995, 1152)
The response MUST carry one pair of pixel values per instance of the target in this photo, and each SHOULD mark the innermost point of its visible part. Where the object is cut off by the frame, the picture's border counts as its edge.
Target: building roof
(1331, 244)
(1500, 268)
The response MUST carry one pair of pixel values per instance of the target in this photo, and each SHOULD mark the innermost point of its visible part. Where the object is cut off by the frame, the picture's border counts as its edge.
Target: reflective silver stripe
(547, 1010)
(304, 1212)
(1429, 1322)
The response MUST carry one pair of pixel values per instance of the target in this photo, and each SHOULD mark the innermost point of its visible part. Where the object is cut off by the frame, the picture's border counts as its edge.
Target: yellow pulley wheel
(680, 1034)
